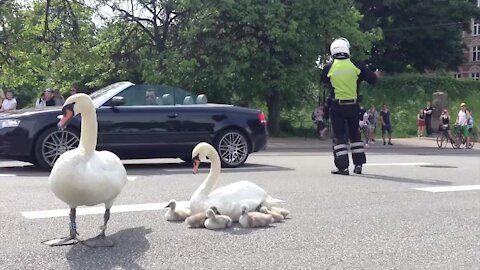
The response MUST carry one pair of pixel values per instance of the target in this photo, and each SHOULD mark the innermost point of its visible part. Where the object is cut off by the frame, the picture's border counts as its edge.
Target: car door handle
(174, 115)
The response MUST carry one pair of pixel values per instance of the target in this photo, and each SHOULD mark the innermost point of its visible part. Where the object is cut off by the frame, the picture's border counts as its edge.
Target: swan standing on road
(228, 199)
(84, 176)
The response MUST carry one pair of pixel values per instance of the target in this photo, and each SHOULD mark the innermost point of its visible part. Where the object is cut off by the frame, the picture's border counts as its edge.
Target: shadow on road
(131, 244)
(405, 180)
(23, 170)
(237, 229)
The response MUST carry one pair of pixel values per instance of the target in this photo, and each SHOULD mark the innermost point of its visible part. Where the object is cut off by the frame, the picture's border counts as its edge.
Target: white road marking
(398, 164)
(261, 168)
(7, 175)
(100, 210)
(449, 188)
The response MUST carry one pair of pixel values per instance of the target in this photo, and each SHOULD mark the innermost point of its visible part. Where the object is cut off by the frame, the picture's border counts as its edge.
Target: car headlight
(9, 123)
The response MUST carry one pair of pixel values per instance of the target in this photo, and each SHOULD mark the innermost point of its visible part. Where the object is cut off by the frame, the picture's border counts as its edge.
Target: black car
(138, 122)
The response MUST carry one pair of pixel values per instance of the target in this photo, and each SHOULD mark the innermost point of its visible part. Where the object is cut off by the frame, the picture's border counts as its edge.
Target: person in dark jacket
(343, 77)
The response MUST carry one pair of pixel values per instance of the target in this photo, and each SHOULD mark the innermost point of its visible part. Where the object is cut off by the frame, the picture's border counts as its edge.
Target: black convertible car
(138, 122)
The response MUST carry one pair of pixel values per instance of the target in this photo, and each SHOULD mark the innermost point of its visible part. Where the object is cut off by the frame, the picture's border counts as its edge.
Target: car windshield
(157, 95)
(100, 92)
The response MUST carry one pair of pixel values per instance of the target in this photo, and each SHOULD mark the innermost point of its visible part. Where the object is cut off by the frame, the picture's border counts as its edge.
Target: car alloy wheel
(57, 143)
(233, 148)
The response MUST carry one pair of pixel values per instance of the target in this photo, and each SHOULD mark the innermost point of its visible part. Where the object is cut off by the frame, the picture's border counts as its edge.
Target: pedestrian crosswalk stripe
(449, 188)
(398, 164)
(81, 211)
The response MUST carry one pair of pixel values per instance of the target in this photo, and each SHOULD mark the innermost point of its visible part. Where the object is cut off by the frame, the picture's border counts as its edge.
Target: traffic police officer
(343, 77)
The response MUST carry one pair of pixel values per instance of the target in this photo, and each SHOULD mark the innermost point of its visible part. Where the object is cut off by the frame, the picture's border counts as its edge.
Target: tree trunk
(273, 104)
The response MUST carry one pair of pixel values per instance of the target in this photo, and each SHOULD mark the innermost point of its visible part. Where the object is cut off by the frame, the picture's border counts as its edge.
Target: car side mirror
(117, 101)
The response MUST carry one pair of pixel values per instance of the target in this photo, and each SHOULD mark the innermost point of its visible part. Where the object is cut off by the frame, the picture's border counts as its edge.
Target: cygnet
(276, 216)
(282, 211)
(198, 220)
(215, 222)
(254, 219)
(174, 214)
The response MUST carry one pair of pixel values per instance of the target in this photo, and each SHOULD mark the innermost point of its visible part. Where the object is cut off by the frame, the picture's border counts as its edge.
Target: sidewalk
(291, 143)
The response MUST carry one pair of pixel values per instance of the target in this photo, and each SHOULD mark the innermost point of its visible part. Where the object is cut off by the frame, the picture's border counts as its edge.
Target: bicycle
(443, 138)
(459, 138)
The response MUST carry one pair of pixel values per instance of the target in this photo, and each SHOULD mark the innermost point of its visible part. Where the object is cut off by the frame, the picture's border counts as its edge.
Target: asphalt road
(377, 220)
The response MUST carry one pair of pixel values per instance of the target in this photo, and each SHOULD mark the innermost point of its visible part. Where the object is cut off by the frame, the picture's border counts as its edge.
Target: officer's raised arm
(366, 74)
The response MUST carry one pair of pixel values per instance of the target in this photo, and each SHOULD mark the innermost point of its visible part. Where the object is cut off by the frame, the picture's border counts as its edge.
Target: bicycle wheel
(471, 144)
(447, 140)
(457, 141)
(440, 140)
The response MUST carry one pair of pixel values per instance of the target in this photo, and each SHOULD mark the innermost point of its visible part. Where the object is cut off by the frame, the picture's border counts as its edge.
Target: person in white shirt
(462, 121)
(41, 103)
(363, 125)
(9, 103)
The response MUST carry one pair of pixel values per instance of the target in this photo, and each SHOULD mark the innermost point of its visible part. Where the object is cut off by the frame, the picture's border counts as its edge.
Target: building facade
(470, 69)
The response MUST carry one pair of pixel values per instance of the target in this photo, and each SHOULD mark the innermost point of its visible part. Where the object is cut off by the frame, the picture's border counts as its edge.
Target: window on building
(476, 28)
(457, 75)
(478, 3)
(476, 76)
(476, 53)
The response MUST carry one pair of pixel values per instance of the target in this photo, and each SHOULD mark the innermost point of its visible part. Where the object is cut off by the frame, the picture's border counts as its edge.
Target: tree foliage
(418, 35)
(245, 52)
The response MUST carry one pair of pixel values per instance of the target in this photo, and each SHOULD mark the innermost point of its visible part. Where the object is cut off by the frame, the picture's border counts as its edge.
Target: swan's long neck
(88, 136)
(211, 181)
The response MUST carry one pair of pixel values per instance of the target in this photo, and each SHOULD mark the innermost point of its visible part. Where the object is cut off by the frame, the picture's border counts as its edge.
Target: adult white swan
(83, 176)
(227, 199)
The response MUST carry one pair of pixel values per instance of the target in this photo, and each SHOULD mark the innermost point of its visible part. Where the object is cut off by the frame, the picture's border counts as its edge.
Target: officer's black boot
(358, 169)
(341, 172)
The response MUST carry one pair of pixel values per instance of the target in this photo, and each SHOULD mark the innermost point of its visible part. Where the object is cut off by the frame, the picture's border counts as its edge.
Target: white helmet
(340, 45)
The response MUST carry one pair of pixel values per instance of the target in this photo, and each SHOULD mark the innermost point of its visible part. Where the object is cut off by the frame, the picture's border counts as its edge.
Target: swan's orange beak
(67, 115)
(196, 164)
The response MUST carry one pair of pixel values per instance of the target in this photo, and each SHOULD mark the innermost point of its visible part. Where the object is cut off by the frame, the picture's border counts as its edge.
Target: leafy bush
(405, 95)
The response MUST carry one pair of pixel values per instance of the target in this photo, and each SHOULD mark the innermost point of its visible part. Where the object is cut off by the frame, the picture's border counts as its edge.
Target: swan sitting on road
(227, 199)
(84, 176)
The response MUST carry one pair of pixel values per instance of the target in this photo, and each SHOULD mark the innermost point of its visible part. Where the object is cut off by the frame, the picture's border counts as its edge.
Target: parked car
(138, 122)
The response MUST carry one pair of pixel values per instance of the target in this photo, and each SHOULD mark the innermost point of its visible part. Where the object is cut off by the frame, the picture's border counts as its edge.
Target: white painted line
(100, 210)
(449, 188)
(7, 175)
(263, 167)
(398, 164)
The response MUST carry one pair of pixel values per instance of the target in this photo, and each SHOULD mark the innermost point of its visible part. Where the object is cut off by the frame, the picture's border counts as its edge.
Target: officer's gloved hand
(329, 102)
(360, 98)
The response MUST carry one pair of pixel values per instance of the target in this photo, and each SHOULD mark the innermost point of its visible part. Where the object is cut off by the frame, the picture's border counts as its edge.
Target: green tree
(251, 50)
(418, 35)
(46, 44)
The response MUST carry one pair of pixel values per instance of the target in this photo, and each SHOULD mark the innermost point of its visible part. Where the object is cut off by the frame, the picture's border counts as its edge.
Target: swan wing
(229, 199)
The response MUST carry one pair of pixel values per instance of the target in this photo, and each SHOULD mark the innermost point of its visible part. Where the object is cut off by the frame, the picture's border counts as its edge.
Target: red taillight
(262, 118)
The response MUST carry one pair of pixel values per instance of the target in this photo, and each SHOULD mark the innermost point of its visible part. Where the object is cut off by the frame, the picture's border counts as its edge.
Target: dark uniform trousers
(343, 116)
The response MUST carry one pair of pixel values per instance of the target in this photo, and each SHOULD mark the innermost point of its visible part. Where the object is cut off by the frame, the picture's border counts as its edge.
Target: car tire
(53, 142)
(233, 148)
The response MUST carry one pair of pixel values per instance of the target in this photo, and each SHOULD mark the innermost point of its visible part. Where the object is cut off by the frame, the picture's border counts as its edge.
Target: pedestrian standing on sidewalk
(386, 124)
(420, 123)
(428, 118)
(343, 77)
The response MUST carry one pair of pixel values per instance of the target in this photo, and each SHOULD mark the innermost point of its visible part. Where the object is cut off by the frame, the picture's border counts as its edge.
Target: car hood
(29, 111)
